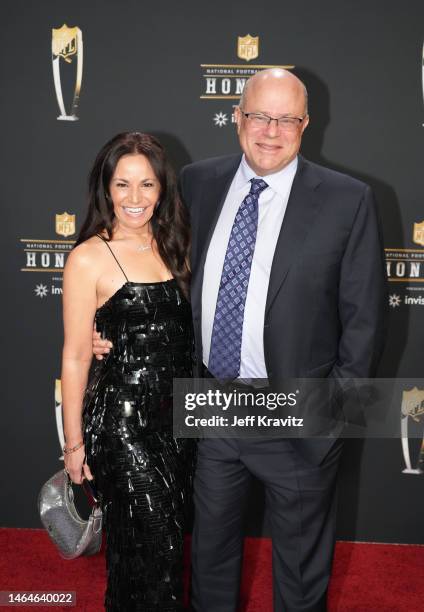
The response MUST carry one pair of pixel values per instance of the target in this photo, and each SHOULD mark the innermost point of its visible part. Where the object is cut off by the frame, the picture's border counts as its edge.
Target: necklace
(144, 247)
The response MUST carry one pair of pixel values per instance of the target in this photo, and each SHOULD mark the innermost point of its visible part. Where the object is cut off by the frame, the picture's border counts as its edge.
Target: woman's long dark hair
(169, 223)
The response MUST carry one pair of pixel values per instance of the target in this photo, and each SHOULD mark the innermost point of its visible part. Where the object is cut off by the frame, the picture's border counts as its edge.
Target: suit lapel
(302, 208)
(214, 194)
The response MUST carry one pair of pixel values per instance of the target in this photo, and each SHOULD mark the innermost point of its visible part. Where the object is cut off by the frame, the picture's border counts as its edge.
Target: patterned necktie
(225, 351)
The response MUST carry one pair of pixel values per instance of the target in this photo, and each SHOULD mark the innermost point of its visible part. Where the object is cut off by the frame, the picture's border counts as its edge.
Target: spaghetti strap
(114, 257)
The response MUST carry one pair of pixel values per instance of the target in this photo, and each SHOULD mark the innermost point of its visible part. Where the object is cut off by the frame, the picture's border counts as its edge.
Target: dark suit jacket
(327, 301)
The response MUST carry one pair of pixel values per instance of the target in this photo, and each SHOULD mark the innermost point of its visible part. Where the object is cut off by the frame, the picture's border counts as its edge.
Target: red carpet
(366, 577)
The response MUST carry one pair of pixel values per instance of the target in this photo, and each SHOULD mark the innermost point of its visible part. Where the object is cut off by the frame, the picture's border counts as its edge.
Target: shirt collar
(279, 181)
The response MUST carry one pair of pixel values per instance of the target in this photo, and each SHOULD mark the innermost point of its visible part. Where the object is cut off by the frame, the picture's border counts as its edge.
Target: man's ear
(237, 117)
(305, 123)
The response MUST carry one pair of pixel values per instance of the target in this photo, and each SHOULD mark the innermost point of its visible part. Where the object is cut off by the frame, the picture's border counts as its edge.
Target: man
(288, 281)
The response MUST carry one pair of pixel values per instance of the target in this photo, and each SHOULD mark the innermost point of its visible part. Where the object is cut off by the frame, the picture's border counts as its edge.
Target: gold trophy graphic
(58, 413)
(66, 44)
(412, 409)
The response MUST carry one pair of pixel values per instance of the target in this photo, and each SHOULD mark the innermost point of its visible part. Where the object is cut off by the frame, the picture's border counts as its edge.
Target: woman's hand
(75, 466)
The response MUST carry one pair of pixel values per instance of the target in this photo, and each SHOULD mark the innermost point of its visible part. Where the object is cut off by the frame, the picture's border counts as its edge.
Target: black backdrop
(142, 70)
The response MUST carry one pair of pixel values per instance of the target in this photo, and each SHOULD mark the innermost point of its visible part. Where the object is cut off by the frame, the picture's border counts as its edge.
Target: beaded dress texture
(142, 472)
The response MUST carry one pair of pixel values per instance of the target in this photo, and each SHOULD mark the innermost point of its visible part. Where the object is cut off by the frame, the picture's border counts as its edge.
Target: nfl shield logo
(413, 403)
(64, 42)
(418, 236)
(65, 224)
(248, 47)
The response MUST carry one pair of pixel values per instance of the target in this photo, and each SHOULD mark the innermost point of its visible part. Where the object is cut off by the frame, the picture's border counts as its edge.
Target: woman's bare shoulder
(87, 254)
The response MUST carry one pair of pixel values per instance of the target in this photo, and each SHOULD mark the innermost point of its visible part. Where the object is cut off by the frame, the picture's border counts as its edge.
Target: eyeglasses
(259, 120)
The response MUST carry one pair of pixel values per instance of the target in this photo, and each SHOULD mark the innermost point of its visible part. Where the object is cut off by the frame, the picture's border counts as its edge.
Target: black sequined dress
(142, 472)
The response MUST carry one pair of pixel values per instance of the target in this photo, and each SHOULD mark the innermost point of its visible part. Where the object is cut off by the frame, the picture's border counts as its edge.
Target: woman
(128, 272)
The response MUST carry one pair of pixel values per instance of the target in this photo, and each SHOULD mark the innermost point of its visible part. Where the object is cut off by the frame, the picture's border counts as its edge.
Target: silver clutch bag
(72, 535)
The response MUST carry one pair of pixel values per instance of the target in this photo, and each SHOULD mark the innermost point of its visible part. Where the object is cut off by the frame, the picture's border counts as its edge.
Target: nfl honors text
(47, 256)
